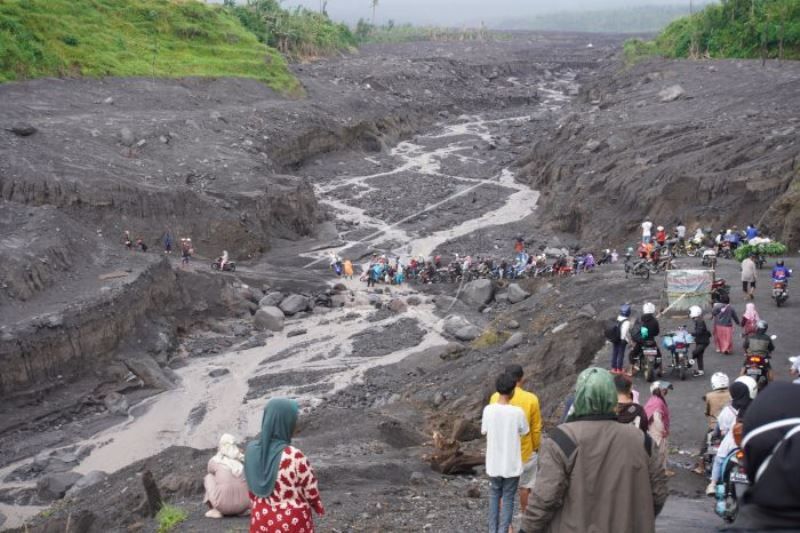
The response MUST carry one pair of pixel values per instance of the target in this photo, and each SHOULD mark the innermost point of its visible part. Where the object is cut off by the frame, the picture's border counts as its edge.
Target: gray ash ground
(387, 338)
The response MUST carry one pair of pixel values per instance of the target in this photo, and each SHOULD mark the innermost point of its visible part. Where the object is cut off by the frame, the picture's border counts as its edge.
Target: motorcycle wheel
(648, 371)
(778, 301)
(683, 371)
(214, 266)
(233, 268)
(691, 252)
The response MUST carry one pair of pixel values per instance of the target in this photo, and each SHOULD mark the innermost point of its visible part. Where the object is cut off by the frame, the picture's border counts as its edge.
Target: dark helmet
(761, 326)
(625, 310)
(779, 262)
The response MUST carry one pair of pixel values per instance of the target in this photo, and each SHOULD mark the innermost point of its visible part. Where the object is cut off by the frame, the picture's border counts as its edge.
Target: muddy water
(171, 418)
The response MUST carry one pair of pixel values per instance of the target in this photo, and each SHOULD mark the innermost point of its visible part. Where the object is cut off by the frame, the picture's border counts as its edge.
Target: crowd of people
(167, 240)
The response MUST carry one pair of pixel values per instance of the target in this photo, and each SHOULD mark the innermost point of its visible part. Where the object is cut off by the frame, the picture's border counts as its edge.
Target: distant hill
(160, 38)
(637, 19)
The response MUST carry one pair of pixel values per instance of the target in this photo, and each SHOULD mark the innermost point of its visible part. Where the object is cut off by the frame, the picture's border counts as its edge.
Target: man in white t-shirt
(503, 424)
(647, 228)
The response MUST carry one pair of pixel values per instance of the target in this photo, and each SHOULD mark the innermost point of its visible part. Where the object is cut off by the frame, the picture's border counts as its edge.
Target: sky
(461, 12)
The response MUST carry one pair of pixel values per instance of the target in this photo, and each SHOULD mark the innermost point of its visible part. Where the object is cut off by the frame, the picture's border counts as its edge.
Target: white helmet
(695, 312)
(752, 386)
(660, 228)
(719, 381)
(649, 308)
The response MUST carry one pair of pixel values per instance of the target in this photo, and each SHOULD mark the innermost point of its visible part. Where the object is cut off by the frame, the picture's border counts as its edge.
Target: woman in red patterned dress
(283, 488)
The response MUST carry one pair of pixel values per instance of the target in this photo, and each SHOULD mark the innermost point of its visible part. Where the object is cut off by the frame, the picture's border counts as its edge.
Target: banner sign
(686, 288)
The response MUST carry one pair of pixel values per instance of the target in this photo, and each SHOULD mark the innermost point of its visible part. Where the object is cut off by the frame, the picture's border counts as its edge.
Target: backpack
(612, 330)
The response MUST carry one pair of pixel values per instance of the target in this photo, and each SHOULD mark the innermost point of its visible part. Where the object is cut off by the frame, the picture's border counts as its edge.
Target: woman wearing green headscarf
(283, 488)
(593, 466)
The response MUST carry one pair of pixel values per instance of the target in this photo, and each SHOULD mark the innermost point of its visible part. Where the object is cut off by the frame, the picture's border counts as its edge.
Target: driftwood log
(450, 460)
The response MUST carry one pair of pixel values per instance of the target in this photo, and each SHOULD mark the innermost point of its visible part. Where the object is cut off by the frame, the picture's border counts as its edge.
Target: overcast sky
(459, 12)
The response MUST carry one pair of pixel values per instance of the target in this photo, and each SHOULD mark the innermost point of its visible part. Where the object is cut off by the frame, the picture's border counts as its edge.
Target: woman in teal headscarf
(283, 488)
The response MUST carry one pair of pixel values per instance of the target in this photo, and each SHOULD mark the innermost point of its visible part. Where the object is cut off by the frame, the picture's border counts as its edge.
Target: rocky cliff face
(711, 144)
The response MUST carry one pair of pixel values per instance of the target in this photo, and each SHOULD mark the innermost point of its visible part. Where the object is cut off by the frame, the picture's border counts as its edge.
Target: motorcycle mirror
(773, 337)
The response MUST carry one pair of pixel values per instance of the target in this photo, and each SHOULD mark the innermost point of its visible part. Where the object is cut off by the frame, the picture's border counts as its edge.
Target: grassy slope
(161, 38)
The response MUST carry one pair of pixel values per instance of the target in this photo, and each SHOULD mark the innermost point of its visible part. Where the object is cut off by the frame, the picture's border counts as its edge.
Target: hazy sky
(458, 12)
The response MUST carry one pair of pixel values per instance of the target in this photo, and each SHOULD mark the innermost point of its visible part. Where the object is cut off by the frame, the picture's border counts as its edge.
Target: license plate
(739, 477)
(650, 353)
(753, 372)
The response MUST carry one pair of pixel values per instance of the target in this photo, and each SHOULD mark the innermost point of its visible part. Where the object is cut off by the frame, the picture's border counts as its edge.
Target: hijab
(772, 447)
(656, 402)
(595, 394)
(263, 456)
(750, 313)
(228, 454)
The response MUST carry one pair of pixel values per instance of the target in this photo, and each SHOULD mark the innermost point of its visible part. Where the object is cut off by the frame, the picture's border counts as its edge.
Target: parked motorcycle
(678, 343)
(709, 258)
(230, 266)
(640, 268)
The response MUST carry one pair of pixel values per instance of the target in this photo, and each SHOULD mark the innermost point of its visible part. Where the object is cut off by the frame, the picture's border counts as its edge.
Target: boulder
(296, 333)
(293, 304)
(413, 300)
(516, 293)
(452, 351)
(512, 324)
(268, 318)
(218, 372)
(478, 292)
(92, 478)
(397, 306)
(338, 300)
(454, 323)
(672, 93)
(587, 311)
(54, 486)
(468, 333)
(501, 297)
(22, 129)
(116, 403)
(147, 370)
(273, 299)
(126, 137)
(514, 341)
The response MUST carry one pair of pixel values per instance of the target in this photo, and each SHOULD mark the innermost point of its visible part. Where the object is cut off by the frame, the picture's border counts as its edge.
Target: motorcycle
(719, 287)
(709, 258)
(712, 446)
(732, 485)
(230, 266)
(691, 248)
(641, 268)
(779, 291)
(755, 366)
(678, 343)
(648, 360)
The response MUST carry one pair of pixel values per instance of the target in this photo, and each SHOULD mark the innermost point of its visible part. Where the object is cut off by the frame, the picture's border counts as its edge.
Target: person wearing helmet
(643, 332)
(771, 444)
(780, 272)
(657, 412)
(716, 400)
(620, 341)
(743, 391)
(661, 235)
(760, 344)
(702, 337)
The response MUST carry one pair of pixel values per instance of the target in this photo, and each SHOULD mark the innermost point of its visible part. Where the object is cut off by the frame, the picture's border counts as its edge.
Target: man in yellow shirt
(529, 444)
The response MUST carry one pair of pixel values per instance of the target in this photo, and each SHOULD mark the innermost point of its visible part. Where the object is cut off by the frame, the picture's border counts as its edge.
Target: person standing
(283, 487)
(749, 276)
(167, 240)
(750, 319)
(657, 412)
(702, 338)
(596, 474)
(503, 424)
(619, 336)
(226, 488)
(628, 411)
(680, 232)
(186, 252)
(724, 318)
(529, 444)
(348, 269)
(647, 229)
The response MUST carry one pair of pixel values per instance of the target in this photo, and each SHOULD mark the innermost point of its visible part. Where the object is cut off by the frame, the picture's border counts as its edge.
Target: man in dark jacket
(644, 332)
(586, 461)
(702, 337)
(772, 457)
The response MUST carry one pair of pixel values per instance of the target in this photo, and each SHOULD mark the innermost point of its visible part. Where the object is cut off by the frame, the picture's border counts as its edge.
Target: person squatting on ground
(619, 335)
(724, 318)
(628, 411)
(529, 444)
(658, 420)
(226, 488)
(585, 463)
(503, 424)
(283, 487)
(742, 391)
(771, 443)
(702, 337)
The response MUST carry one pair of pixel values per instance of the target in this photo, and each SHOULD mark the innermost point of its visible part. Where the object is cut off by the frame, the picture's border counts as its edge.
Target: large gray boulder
(468, 333)
(92, 478)
(272, 299)
(268, 318)
(478, 292)
(293, 304)
(514, 341)
(55, 486)
(116, 403)
(147, 370)
(516, 293)
(672, 93)
(454, 323)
